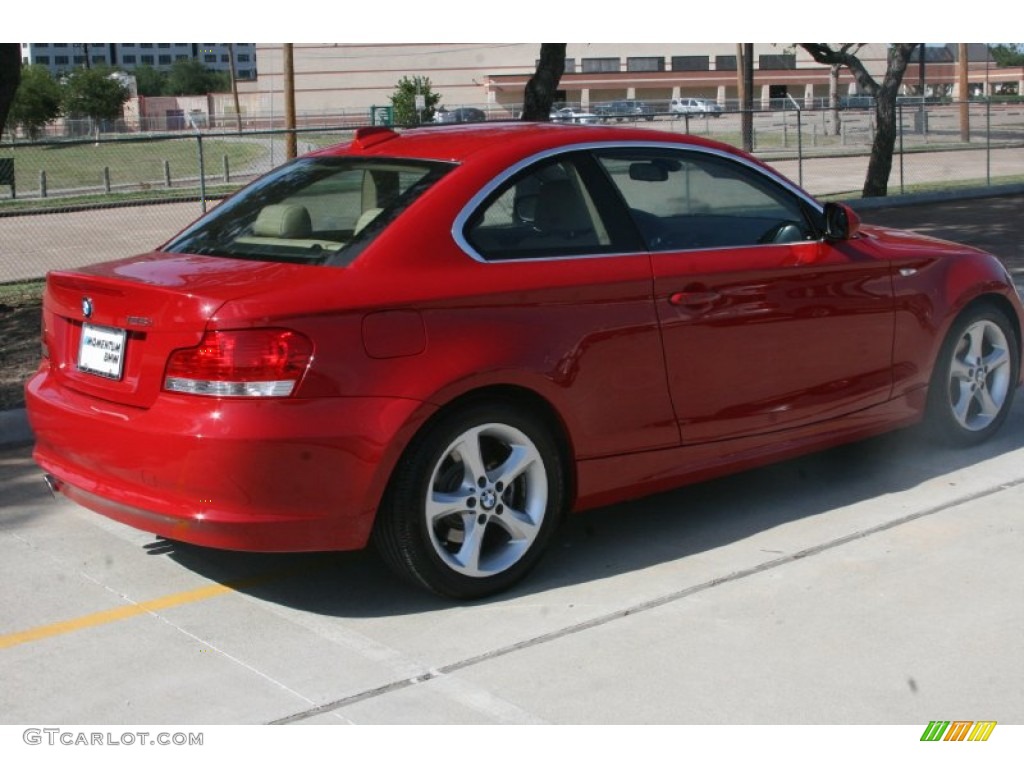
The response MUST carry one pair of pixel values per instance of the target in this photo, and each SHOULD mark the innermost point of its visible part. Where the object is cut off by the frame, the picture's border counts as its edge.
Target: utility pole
(741, 95)
(234, 86)
(745, 81)
(965, 96)
(291, 145)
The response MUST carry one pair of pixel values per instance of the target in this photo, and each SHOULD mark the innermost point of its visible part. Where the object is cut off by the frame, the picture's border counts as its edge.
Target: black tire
(975, 378)
(474, 501)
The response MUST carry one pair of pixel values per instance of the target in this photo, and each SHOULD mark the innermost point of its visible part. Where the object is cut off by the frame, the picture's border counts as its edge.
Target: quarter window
(545, 211)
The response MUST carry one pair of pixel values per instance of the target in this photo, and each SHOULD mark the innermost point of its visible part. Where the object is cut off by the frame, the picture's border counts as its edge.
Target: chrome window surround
(459, 225)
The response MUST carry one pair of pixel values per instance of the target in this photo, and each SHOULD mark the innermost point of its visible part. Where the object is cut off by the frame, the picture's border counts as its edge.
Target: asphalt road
(878, 583)
(994, 224)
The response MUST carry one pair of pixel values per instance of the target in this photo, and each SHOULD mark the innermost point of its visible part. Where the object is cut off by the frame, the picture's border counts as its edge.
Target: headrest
(283, 221)
(561, 209)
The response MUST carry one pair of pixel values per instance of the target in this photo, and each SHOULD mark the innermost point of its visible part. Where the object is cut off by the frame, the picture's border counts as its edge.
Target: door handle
(692, 298)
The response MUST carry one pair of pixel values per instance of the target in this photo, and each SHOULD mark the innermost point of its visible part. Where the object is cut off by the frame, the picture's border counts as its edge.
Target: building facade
(343, 78)
(62, 57)
(338, 77)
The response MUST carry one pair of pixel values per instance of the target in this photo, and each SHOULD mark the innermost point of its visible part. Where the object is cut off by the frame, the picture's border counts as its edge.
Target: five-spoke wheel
(975, 377)
(474, 501)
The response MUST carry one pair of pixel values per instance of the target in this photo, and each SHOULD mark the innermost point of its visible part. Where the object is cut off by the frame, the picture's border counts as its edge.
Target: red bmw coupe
(443, 340)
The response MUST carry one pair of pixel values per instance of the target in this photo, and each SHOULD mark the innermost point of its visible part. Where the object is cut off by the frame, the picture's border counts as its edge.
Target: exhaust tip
(52, 484)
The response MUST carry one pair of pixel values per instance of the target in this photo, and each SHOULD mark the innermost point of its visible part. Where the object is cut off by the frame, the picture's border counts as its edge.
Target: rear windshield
(320, 210)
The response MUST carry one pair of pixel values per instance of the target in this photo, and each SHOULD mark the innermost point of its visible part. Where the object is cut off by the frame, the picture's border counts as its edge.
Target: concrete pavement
(873, 584)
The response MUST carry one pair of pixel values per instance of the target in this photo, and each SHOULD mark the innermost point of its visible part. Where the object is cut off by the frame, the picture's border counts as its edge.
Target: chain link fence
(68, 203)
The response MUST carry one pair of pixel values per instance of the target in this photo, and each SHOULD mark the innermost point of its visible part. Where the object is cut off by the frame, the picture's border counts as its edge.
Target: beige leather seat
(365, 218)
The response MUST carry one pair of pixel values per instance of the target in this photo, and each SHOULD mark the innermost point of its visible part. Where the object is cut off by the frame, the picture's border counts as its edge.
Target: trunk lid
(110, 328)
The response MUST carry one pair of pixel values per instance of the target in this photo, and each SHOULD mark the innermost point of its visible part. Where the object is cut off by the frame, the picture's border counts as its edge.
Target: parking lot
(878, 583)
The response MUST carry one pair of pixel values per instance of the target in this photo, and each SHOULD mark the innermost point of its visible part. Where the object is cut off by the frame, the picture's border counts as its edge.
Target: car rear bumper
(281, 475)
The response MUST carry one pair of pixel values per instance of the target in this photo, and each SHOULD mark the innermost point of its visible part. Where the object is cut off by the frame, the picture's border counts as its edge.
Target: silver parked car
(694, 106)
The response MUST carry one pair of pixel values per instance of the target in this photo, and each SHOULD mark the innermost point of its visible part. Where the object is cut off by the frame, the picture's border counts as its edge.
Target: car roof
(457, 143)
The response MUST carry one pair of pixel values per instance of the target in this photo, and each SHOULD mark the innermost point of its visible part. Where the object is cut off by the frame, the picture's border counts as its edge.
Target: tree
(191, 78)
(403, 100)
(150, 81)
(876, 182)
(10, 77)
(540, 91)
(1008, 54)
(37, 102)
(95, 93)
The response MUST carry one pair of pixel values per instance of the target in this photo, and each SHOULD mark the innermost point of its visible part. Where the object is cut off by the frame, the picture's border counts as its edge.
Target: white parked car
(692, 106)
(570, 115)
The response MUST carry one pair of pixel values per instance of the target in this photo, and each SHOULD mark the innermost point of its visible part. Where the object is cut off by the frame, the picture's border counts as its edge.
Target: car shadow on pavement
(623, 538)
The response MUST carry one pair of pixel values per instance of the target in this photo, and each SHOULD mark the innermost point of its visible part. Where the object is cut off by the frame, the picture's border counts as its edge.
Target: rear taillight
(268, 362)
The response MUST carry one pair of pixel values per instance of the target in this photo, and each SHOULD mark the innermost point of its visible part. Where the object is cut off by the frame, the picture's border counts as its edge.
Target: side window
(543, 211)
(687, 200)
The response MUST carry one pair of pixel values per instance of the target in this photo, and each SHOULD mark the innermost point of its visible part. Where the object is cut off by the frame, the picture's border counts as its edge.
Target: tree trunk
(876, 183)
(833, 99)
(540, 90)
(10, 77)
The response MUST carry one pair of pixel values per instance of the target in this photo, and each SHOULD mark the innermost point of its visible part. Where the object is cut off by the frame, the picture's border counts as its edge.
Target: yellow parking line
(113, 614)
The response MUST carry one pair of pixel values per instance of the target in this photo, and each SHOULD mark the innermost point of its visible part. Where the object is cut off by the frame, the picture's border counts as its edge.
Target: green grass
(153, 194)
(934, 186)
(321, 140)
(942, 186)
(21, 294)
(139, 164)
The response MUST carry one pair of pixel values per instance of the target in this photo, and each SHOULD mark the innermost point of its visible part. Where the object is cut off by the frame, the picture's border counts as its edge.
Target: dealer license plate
(101, 351)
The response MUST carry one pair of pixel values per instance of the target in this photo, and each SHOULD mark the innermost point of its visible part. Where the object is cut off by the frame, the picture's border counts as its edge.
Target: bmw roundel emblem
(87, 307)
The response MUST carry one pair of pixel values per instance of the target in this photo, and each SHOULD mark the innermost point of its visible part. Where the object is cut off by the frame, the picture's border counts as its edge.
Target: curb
(924, 198)
(14, 429)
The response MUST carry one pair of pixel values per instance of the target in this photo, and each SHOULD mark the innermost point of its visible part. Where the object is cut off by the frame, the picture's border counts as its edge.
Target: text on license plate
(102, 351)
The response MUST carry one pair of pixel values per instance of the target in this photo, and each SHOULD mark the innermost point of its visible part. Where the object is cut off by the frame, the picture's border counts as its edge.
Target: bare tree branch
(845, 54)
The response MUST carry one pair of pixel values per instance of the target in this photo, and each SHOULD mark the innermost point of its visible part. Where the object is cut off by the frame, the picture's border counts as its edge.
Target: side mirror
(841, 221)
